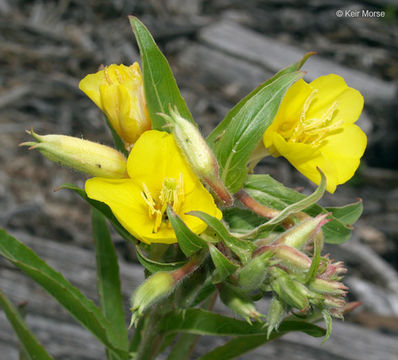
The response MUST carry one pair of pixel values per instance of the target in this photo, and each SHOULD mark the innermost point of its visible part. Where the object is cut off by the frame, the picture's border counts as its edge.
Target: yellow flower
(158, 175)
(118, 91)
(314, 127)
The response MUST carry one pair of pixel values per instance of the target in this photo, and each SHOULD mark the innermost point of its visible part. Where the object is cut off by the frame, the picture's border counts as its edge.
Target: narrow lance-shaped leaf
(160, 86)
(242, 248)
(188, 241)
(154, 266)
(83, 309)
(224, 266)
(243, 344)
(203, 322)
(219, 131)
(272, 193)
(108, 280)
(293, 208)
(247, 127)
(28, 340)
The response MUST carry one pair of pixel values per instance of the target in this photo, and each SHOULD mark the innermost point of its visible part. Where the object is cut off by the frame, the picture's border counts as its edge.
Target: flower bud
(197, 153)
(119, 92)
(252, 275)
(153, 289)
(290, 257)
(328, 287)
(276, 314)
(288, 290)
(298, 235)
(82, 155)
(238, 302)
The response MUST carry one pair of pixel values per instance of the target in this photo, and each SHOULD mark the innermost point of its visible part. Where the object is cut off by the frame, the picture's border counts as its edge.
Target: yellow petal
(124, 198)
(332, 88)
(90, 86)
(198, 200)
(110, 105)
(154, 157)
(344, 150)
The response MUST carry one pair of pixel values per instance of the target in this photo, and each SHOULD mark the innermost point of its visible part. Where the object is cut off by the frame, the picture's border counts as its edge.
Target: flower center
(172, 193)
(312, 131)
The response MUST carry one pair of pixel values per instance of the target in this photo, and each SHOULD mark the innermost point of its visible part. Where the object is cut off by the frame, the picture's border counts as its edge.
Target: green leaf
(241, 221)
(316, 258)
(161, 88)
(83, 309)
(328, 321)
(298, 206)
(223, 265)
(246, 129)
(244, 344)
(154, 266)
(347, 214)
(182, 349)
(103, 208)
(189, 242)
(203, 322)
(272, 193)
(29, 342)
(219, 131)
(242, 248)
(108, 280)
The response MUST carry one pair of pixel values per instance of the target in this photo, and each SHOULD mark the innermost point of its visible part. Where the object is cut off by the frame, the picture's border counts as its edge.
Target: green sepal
(189, 242)
(160, 86)
(224, 266)
(154, 266)
(241, 248)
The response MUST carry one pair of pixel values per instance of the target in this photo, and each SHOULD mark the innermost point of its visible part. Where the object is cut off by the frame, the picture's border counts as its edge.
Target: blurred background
(219, 50)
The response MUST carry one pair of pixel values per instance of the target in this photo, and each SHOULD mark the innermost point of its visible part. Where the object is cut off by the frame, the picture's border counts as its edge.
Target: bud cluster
(283, 265)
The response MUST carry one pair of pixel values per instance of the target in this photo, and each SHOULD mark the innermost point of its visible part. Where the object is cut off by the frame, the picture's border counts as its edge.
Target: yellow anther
(172, 193)
(313, 130)
(107, 77)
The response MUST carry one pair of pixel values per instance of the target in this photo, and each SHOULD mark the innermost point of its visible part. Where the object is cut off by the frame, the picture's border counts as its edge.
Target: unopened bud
(118, 90)
(290, 257)
(238, 302)
(288, 290)
(298, 235)
(155, 288)
(276, 314)
(82, 155)
(197, 153)
(252, 275)
(328, 287)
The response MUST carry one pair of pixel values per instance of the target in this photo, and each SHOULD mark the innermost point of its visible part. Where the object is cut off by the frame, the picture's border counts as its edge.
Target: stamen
(107, 77)
(311, 131)
(172, 193)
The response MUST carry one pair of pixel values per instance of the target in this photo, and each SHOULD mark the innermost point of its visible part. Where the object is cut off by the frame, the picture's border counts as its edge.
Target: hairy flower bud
(82, 155)
(328, 287)
(288, 290)
(298, 235)
(252, 275)
(153, 289)
(276, 314)
(238, 302)
(197, 153)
